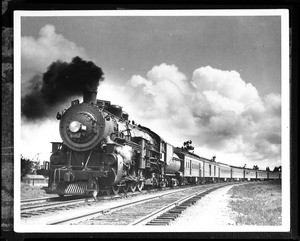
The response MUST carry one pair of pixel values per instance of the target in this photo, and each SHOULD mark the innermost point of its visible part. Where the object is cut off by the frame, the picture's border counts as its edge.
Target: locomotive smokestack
(89, 96)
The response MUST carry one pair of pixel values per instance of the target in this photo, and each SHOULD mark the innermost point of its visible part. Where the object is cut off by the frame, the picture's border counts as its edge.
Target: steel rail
(52, 205)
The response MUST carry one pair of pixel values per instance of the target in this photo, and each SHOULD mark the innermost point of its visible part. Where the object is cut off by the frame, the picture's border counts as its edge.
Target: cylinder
(111, 158)
(115, 172)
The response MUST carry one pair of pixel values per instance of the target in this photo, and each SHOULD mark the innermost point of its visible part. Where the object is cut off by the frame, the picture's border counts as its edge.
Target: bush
(26, 166)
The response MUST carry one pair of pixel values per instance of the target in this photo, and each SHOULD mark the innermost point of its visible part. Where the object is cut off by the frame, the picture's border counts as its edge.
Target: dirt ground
(31, 192)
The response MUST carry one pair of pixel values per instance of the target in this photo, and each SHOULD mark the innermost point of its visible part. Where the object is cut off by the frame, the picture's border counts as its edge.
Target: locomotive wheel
(115, 189)
(133, 186)
(126, 187)
(140, 186)
(164, 184)
(108, 191)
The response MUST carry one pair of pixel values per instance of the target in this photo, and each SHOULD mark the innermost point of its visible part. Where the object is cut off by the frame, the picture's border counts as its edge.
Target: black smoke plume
(61, 81)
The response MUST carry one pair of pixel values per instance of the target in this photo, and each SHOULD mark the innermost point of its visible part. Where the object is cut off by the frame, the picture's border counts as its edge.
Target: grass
(257, 203)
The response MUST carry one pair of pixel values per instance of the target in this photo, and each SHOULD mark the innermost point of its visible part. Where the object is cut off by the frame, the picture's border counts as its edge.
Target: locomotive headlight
(74, 126)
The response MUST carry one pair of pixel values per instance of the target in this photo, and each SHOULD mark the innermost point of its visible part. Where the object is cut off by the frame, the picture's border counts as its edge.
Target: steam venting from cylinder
(125, 152)
(61, 81)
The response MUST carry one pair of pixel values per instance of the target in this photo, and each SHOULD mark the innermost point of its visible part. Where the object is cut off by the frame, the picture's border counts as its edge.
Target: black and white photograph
(152, 121)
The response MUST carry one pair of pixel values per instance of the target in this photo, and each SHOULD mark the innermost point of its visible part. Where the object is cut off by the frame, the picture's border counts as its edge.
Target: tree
(43, 172)
(26, 166)
(277, 169)
(267, 169)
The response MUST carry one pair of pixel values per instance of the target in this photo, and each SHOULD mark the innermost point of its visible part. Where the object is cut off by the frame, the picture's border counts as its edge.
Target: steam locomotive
(103, 151)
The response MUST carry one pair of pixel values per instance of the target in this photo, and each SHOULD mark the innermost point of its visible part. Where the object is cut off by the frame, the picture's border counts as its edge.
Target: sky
(215, 80)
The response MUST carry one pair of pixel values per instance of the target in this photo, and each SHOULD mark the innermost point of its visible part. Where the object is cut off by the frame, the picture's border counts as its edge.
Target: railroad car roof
(251, 169)
(182, 151)
(238, 167)
(224, 164)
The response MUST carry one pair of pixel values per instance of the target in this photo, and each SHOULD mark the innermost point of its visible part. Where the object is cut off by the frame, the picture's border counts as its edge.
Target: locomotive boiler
(101, 150)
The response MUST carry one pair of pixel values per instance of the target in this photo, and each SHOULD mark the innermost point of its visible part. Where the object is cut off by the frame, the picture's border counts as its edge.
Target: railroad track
(40, 206)
(159, 209)
(165, 215)
(45, 207)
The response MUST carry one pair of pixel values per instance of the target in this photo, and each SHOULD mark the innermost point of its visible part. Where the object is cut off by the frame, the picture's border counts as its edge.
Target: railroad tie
(157, 224)
(167, 217)
(172, 214)
(175, 211)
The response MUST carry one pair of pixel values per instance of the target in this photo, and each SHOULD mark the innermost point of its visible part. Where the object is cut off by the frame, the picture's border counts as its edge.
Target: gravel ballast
(211, 210)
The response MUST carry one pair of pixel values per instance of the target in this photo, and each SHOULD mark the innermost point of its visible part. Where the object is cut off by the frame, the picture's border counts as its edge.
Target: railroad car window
(209, 169)
(214, 170)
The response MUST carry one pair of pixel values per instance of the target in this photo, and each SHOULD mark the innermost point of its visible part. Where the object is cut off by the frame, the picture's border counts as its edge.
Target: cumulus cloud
(39, 142)
(217, 109)
(38, 53)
